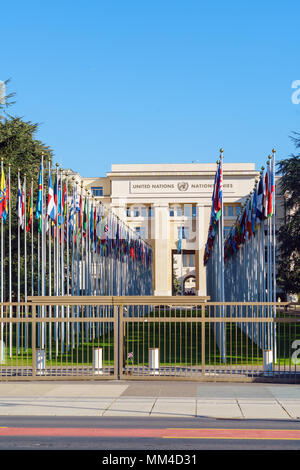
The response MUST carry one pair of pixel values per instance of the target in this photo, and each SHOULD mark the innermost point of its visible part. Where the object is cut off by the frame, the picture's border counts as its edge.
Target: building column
(201, 234)
(162, 269)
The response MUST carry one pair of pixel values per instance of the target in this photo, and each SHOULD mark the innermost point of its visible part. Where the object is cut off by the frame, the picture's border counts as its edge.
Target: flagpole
(274, 229)
(32, 264)
(25, 257)
(2, 272)
(43, 252)
(68, 255)
(57, 262)
(62, 291)
(49, 224)
(19, 202)
(9, 256)
(274, 252)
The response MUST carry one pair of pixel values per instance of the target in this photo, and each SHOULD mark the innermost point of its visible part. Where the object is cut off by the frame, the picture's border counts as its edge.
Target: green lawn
(179, 344)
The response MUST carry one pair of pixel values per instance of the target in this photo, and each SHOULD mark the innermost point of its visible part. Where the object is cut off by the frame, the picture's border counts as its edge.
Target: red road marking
(166, 433)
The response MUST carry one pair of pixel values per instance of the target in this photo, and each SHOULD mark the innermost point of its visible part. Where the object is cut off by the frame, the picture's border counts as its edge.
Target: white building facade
(160, 201)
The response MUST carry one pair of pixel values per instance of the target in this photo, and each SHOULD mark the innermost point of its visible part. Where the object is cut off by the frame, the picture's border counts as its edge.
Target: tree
(288, 275)
(22, 151)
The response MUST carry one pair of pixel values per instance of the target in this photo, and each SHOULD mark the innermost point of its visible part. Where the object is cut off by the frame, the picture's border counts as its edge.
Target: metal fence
(148, 338)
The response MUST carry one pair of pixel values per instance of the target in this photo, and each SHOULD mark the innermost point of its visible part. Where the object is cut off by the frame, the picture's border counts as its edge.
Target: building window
(128, 212)
(188, 260)
(187, 210)
(185, 260)
(194, 211)
(140, 231)
(179, 211)
(229, 211)
(171, 212)
(136, 212)
(192, 261)
(150, 212)
(97, 190)
(144, 212)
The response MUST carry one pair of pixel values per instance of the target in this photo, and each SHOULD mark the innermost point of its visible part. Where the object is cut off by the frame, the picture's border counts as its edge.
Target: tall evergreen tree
(22, 151)
(288, 277)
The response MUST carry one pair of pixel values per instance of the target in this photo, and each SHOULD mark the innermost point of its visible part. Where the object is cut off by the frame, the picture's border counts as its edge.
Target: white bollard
(2, 351)
(154, 361)
(97, 361)
(268, 362)
(40, 362)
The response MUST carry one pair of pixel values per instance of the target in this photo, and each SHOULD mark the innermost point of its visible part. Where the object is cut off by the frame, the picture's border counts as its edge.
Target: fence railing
(165, 338)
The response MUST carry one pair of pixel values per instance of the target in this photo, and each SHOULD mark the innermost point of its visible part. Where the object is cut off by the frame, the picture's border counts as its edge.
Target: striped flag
(3, 190)
(23, 205)
(51, 207)
(19, 203)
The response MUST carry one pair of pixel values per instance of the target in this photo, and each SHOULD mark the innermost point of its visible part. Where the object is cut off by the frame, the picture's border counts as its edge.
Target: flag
(39, 201)
(265, 199)
(6, 199)
(271, 189)
(80, 215)
(219, 192)
(92, 224)
(180, 240)
(19, 203)
(51, 207)
(64, 203)
(260, 199)
(77, 202)
(29, 212)
(71, 216)
(84, 222)
(59, 203)
(249, 218)
(3, 190)
(254, 206)
(94, 229)
(23, 202)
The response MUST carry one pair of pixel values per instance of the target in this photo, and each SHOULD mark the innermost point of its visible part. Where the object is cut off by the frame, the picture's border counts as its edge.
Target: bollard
(40, 362)
(2, 351)
(97, 361)
(268, 361)
(154, 361)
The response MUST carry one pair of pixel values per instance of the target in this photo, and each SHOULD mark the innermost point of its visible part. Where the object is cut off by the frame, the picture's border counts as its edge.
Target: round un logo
(183, 186)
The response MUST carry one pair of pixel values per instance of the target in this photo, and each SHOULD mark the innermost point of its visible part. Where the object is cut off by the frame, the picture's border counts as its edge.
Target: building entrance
(183, 272)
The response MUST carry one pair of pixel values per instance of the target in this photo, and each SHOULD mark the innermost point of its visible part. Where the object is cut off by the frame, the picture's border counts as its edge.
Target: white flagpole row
(86, 252)
(250, 270)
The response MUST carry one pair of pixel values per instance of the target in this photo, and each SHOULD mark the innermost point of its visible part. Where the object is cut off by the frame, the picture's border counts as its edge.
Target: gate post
(203, 338)
(118, 343)
(33, 339)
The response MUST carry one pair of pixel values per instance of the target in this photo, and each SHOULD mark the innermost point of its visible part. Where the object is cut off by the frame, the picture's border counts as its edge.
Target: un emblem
(183, 186)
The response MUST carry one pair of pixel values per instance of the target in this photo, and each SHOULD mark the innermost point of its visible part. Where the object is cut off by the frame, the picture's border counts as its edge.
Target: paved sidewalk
(151, 399)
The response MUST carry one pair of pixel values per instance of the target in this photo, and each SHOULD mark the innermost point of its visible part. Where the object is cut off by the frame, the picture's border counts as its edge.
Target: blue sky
(154, 81)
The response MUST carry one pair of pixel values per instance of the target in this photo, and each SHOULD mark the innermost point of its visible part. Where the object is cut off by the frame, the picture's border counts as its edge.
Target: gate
(148, 338)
